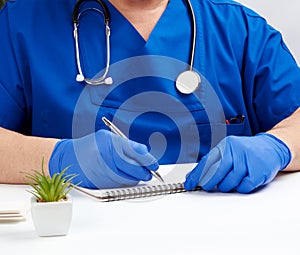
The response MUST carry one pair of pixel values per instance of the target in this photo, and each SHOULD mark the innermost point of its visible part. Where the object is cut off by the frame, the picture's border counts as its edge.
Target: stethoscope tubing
(194, 33)
(80, 77)
(185, 76)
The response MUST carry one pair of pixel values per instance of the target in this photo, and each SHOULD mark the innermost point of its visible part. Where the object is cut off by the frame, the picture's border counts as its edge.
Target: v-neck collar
(119, 18)
(171, 32)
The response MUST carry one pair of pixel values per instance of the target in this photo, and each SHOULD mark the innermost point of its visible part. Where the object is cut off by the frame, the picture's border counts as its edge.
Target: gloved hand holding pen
(103, 160)
(240, 163)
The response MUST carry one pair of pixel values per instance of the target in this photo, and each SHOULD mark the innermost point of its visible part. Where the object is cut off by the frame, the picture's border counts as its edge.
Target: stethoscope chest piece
(187, 82)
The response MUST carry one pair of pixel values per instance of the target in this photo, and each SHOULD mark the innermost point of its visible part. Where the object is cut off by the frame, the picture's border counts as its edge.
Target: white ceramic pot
(51, 218)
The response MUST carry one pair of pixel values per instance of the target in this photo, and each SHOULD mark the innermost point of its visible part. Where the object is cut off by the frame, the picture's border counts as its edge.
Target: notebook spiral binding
(142, 191)
(137, 192)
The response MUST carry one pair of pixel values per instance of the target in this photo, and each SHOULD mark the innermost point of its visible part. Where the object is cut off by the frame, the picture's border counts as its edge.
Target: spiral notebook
(174, 175)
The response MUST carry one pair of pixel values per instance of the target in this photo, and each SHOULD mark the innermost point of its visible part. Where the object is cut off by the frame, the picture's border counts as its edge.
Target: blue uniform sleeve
(12, 102)
(271, 75)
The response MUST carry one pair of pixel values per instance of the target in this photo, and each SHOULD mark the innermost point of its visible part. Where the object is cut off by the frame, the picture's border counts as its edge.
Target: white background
(282, 15)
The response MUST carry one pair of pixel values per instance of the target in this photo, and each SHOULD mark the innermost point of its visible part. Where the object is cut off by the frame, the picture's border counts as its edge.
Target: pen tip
(105, 120)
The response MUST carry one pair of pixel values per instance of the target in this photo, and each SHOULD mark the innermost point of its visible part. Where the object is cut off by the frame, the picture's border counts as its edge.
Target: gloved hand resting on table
(240, 163)
(103, 160)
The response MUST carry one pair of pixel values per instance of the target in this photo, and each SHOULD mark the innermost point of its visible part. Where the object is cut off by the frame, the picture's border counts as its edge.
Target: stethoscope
(187, 82)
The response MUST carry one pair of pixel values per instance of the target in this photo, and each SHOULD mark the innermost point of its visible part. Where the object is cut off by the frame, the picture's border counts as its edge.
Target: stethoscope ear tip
(79, 78)
(108, 81)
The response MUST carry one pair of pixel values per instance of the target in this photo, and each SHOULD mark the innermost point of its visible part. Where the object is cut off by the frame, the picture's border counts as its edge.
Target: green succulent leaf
(49, 189)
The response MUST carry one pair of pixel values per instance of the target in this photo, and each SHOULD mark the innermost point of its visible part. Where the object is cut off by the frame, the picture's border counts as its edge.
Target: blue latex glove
(103, 160)
(240, 163)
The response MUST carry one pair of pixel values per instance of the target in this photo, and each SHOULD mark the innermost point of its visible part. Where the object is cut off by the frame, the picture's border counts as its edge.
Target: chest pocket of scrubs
(211, 134)
(176, 128)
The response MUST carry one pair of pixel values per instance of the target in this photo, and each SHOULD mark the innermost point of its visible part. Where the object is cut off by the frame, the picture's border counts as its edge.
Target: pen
(118, 132)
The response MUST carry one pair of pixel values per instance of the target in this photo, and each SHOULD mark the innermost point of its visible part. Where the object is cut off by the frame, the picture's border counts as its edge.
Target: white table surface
(265, 222)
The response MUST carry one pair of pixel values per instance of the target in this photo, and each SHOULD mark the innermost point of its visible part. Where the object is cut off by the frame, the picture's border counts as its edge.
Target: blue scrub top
(245, 67)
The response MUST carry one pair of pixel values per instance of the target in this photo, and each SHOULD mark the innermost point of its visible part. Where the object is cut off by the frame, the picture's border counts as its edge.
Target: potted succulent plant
(51, 204)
